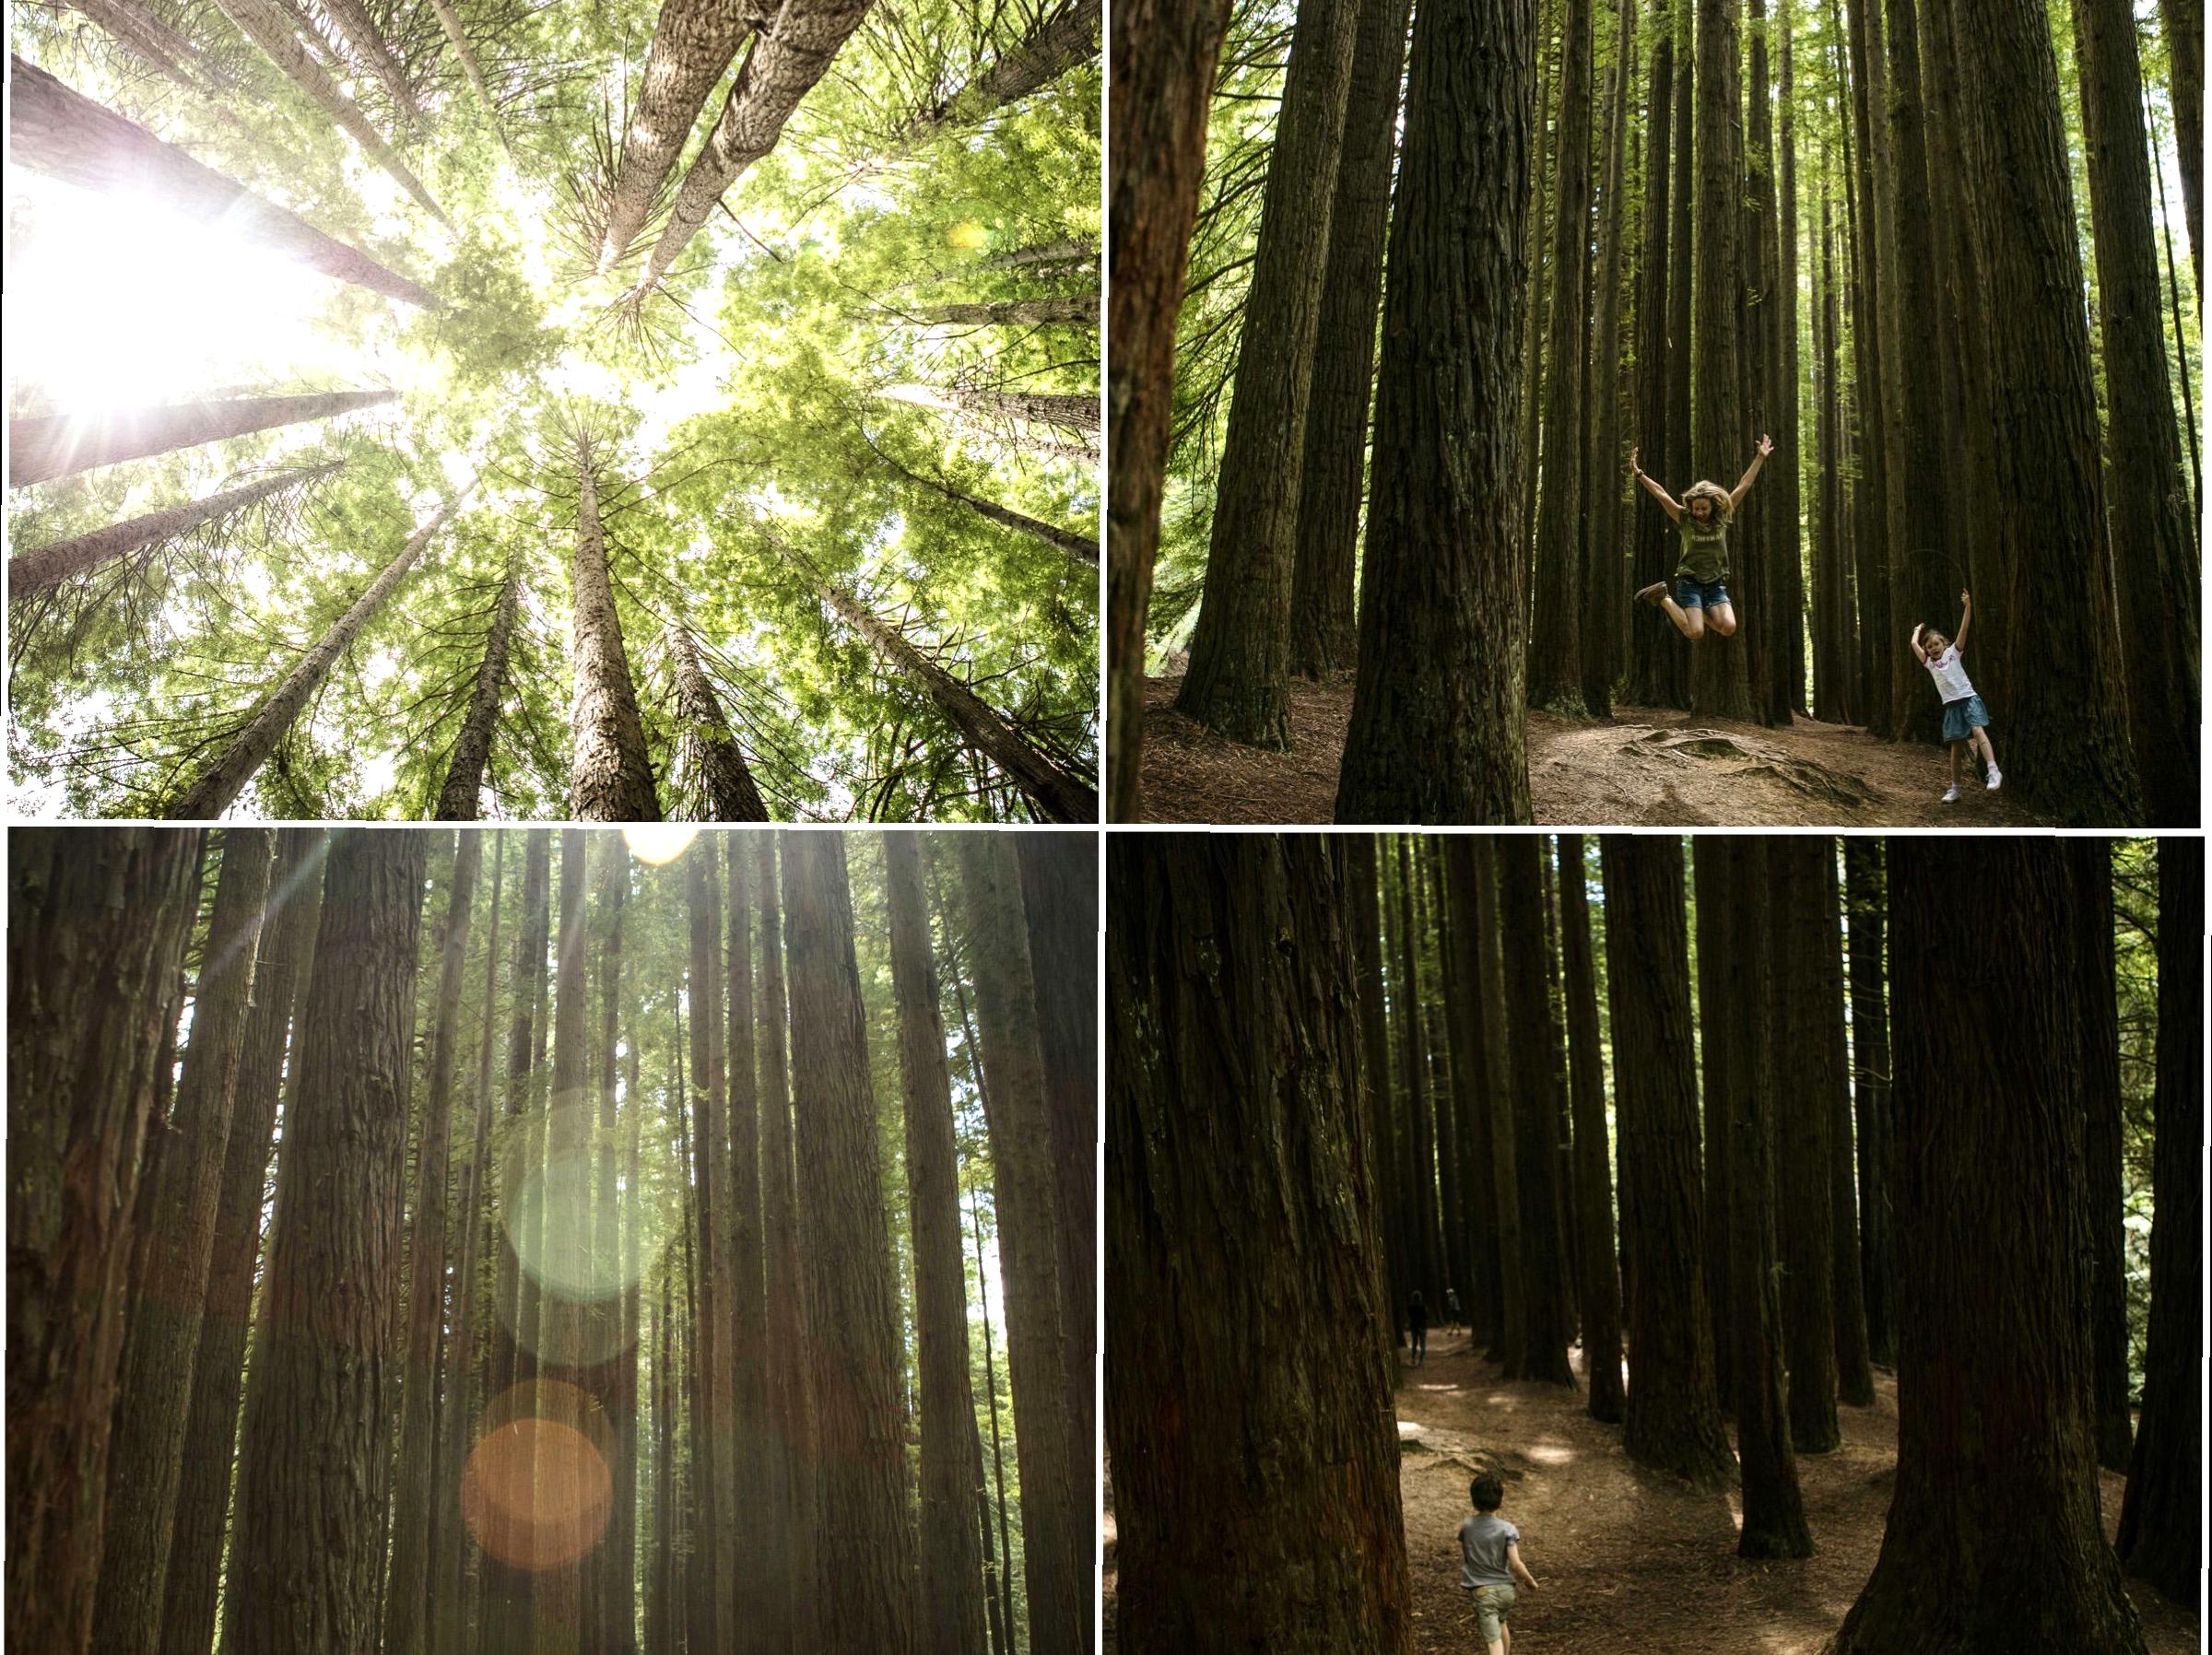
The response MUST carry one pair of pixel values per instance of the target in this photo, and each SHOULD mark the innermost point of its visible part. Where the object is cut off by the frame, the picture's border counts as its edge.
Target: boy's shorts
(1964, 717)
(1699, 594)
(1494, 1608)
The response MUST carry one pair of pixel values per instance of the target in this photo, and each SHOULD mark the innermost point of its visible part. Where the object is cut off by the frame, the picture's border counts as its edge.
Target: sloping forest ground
(1631, 1560)
(1649, 766)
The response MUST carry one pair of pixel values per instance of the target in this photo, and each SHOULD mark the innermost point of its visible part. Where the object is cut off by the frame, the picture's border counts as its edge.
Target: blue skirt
(1964, 717)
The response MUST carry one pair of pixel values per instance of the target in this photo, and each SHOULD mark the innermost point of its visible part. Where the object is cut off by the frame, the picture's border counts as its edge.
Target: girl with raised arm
(1700, 594)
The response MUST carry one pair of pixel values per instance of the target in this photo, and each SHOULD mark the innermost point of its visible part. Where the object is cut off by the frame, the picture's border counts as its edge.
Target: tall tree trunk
(2153, 529)
(1718, 668)
(1477, 863)
(1874, 271)
(1061, 412)
(263, 24)
(1238, 679)
(1720, 1015)
(2069, 741)
(610, 774)
(408, 1598)
(96, 926)
(952, 1609)
(693, 41)
(1653, 652)
(788, 1600)
(1471, 1083)
(1052, 534)
(1536, 1113)
(2183, 25)
(48, 566)
(459, 799)
(1672, 1419)
(280, 977)
(1798, 1117)
(1060, 900)
(1271, 1040)
(1786, 599)
(1437, 731)
(1325, 632)
(2161, 1520)
(2102, 1192)
(1555, 660)
(710, 777)
(790, 53)
(306, 1551)
(2004, 1550)
(1826, 1064)
(1867, 907)
(851, 1289)
(1054, 793)
(1413, 1058)
(1080, 308)
(715, 1361)
(1751, 539)
(1054, 1507)
(1061, 38)
(1364, 922)
(1158, 94)
(66, 135)
(747, 1310)
(1599, 1291)
(1602, 483)
(218, 787)
(151, 40)
(180, 1181)
(42, 447)
(1773, 1524)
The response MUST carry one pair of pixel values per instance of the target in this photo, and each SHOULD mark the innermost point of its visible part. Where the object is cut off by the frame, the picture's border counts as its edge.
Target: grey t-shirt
(1482, 1541)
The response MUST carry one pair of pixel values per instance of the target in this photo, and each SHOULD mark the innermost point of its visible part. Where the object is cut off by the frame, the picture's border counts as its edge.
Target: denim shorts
(1964, 717)
(1699, 594)
(1494, 1608)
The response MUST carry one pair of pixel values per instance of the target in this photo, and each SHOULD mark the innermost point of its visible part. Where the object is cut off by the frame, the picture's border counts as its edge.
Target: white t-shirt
(1949, 673)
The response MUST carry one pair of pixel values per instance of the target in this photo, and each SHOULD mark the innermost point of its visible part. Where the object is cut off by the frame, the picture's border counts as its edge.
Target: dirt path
(1634, 1561)
(1648, 767)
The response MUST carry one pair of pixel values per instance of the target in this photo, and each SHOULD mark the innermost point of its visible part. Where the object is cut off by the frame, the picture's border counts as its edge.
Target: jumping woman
(1700, 596)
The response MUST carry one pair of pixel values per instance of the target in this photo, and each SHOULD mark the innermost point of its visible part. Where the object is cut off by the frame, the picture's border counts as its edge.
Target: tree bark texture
(1654, 656)
(1061, 40)
(1866, 900)
(1238, 679)
(710, 771)
(1530, 1037)
(1436, 732)
(1262, 1513)
(42, 447)
(460, 797)
(693, 41)
(1158, 94)
(1993, 1541)
(50, 565)
(610, 773)
(1599, 1292)
(2102, 1190)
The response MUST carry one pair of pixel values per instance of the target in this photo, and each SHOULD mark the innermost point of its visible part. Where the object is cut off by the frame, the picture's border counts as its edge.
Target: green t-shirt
(1704, 549)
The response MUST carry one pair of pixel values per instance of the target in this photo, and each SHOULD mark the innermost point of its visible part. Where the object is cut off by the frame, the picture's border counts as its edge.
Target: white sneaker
(1950, 795)
(1997, 778)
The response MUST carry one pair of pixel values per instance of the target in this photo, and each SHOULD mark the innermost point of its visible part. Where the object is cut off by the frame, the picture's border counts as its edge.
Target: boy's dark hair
(1487, 1492)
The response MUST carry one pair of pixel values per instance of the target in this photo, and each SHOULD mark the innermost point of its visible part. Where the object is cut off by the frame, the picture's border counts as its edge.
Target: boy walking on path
(1965, 720)
(1490, 1563)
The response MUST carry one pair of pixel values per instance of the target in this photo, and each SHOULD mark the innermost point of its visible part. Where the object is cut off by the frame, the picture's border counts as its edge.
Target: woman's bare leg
(1721, 617)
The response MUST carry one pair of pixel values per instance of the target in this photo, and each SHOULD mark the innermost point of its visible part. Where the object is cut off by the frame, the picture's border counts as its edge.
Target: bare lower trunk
(261, 23)
(1053, 794)
(711, 779)
(50, 565)
(693, 41)
(44, 447)
(219, 787)
(610, 776)
(458, 798)
(787, 57)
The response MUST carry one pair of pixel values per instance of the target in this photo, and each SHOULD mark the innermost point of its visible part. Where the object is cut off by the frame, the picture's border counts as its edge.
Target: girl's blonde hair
(1723, 503)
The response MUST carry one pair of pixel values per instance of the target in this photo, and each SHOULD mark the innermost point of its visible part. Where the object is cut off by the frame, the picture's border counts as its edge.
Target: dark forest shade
(1265, 1036)
(2161, 1520)
(1672, 1417)
(1529, 1035)
(1990, 1545)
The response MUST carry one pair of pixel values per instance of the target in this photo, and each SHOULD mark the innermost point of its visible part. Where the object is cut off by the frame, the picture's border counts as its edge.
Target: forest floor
(1647, 766)
(1632, 1560)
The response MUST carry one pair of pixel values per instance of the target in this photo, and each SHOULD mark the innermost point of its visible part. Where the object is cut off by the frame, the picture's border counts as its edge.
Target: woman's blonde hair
(1723, 503)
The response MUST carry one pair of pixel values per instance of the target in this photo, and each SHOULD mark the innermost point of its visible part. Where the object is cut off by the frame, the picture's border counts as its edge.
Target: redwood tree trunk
(1993, 1542)
(306, 1550)
(610, 774)
(1599, 1291)
(1535, 1114)
(1437, 726)
(1827, 1065)
(458, 800)
(693, 41)
(866, 1544)
(1081, 309)
(42, 447)
(50, 565)
(1867, 904)
(1159, 92)
(182, 1180)
(97, 924)
(711, 775)
(950, 1601)
(1286, 1463)
(2161, 1520)
(1672, 1419)
(2102, 1190)
(1797, 1114)
(1654, 649)
(1238, 679)
(1062, 38)
(1324, 633)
